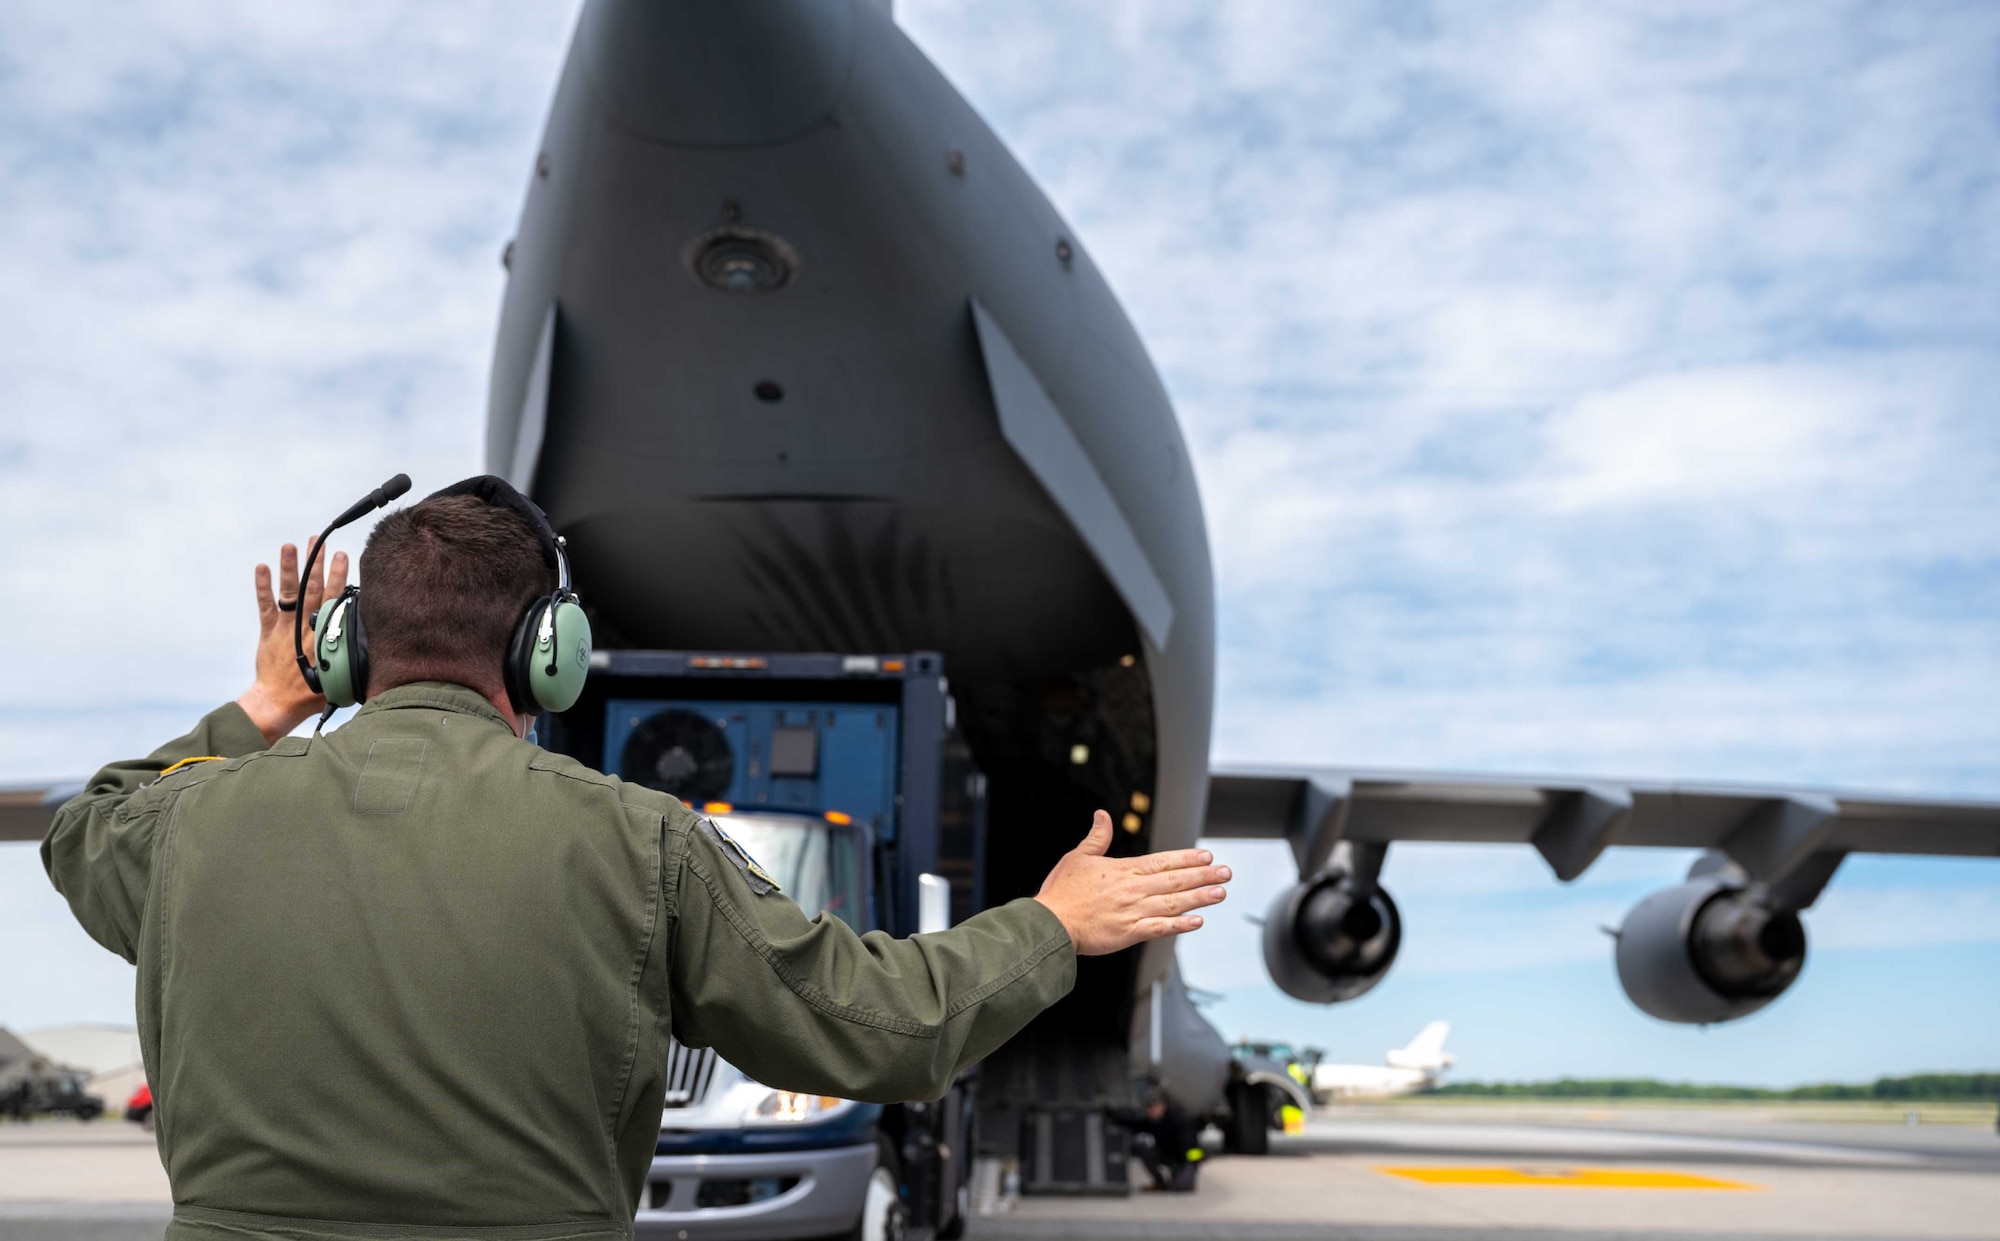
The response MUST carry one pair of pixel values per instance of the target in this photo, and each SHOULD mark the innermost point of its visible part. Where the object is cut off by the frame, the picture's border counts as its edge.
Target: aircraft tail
(1426, 1051)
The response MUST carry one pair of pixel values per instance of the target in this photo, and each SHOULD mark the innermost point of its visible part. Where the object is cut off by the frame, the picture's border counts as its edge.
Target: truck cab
(738, 1158)
(844, 777)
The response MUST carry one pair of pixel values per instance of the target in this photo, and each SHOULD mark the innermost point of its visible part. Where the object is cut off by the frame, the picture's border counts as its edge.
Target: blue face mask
(533, 726)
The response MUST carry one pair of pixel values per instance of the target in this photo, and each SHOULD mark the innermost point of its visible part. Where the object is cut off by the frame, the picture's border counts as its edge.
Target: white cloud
(251, 269)
(1600, 385)
(1692, 438)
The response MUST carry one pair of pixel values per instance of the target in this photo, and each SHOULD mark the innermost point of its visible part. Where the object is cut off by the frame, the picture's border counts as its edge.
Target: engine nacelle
(1707, 951)
(1329, 939)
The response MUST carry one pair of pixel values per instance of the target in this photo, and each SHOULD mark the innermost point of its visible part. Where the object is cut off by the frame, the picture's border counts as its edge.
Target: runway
(1426, 1172)
(1454, 1172)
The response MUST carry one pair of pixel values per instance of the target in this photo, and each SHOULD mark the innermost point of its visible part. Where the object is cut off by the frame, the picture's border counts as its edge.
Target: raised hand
(279, 700)
(1108, 903)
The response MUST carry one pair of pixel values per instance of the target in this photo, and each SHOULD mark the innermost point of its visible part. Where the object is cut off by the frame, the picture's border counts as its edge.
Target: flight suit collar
(438, 696)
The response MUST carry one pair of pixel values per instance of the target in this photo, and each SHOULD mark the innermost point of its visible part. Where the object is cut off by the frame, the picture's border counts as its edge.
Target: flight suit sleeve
(808, 1005)
(99, 850)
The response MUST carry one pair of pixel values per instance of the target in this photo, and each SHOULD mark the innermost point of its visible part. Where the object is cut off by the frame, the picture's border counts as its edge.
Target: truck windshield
(822, 866)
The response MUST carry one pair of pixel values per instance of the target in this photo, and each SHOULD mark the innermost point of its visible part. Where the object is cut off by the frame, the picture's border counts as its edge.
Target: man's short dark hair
(444, 582)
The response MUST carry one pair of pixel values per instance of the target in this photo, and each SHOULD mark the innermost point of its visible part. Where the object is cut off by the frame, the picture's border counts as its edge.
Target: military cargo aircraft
(799, 358)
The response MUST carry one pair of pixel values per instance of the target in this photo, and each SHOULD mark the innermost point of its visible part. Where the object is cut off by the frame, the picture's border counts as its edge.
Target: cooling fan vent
(681, 753)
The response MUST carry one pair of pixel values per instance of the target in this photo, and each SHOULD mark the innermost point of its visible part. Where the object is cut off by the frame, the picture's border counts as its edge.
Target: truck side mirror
(933, 904)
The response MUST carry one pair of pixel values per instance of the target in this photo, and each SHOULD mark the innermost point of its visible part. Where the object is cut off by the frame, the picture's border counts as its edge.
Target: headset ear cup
(558, 668)
(337, 645)
(520, 652)
(357, 649)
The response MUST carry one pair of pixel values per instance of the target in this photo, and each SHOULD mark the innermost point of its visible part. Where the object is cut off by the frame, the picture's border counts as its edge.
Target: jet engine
(1710, 950)
(1331, 938)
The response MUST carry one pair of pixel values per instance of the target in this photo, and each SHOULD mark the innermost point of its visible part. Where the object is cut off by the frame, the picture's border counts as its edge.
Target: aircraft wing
(26, 810)
(1770, 832)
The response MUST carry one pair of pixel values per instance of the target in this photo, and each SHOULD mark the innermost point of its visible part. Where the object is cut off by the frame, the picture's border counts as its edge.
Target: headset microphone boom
(378, 498)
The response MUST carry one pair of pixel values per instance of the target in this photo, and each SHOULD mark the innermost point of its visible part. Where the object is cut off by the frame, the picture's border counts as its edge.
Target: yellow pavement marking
(1576, 1178)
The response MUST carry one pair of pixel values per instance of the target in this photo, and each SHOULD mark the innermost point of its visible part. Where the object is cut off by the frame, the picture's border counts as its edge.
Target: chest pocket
(389, 778)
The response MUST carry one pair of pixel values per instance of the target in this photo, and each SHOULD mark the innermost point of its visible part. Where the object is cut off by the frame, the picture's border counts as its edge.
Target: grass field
(1748, 1110)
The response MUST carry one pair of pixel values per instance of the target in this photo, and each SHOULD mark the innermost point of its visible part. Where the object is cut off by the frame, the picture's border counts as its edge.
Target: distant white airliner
(1406, 1070)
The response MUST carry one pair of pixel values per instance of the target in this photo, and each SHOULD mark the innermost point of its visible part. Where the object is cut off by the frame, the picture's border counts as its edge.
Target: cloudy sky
(1586, 388)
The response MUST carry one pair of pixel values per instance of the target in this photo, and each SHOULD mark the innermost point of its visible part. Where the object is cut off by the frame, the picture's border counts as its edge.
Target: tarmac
(1428, 1172)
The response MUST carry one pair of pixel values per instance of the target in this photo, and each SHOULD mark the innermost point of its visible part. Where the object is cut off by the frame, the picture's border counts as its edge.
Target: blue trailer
(845, 776)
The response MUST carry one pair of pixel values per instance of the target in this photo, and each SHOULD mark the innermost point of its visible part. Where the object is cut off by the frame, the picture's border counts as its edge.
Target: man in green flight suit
(416, 977)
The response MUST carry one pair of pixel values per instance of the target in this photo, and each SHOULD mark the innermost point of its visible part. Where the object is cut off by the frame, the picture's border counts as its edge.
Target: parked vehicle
(1267, 1090)
(55, 1093)
(33, 1085)
(845, 778)
(139, 1108)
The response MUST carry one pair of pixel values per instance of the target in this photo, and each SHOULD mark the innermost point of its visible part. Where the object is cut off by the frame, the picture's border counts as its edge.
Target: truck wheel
(955, 1228)
(1249, 1129)
(883, 1215)
(960, 1195)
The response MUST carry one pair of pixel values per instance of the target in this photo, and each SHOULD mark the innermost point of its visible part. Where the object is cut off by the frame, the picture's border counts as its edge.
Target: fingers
(336, 577)
(288, 573)
(1182, 880)
(1160, 928)
(1175, 903)
(323, 578)
(1176, 859)
(1098, 842)
(312, 587)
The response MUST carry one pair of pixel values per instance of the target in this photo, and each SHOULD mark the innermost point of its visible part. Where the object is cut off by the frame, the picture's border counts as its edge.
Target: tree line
(1920, 1087)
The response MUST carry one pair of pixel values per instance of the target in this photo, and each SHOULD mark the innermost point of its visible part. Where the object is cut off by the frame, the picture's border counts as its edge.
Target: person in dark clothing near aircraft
(416, 977)
(1169, 1146)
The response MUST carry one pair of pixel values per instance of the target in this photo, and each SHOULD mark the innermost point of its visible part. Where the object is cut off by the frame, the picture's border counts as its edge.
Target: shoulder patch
(760, 881)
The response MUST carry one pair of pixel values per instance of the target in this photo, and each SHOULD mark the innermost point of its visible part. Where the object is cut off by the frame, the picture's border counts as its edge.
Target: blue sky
(1585, 388)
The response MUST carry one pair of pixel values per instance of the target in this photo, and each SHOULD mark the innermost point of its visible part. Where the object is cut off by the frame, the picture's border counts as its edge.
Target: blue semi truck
(845, 776)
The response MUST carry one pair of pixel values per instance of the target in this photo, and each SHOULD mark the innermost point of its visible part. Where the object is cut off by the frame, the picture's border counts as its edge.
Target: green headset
(548, 656)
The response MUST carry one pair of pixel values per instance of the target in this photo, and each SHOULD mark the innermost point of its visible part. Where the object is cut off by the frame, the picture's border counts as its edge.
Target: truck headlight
(789, 1107)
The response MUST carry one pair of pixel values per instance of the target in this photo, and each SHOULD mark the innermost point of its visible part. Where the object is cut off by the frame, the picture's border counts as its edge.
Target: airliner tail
(1426, 1051)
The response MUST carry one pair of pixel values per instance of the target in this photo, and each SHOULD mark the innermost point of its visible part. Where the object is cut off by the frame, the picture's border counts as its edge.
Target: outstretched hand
(1108, 903)
(279, 699)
